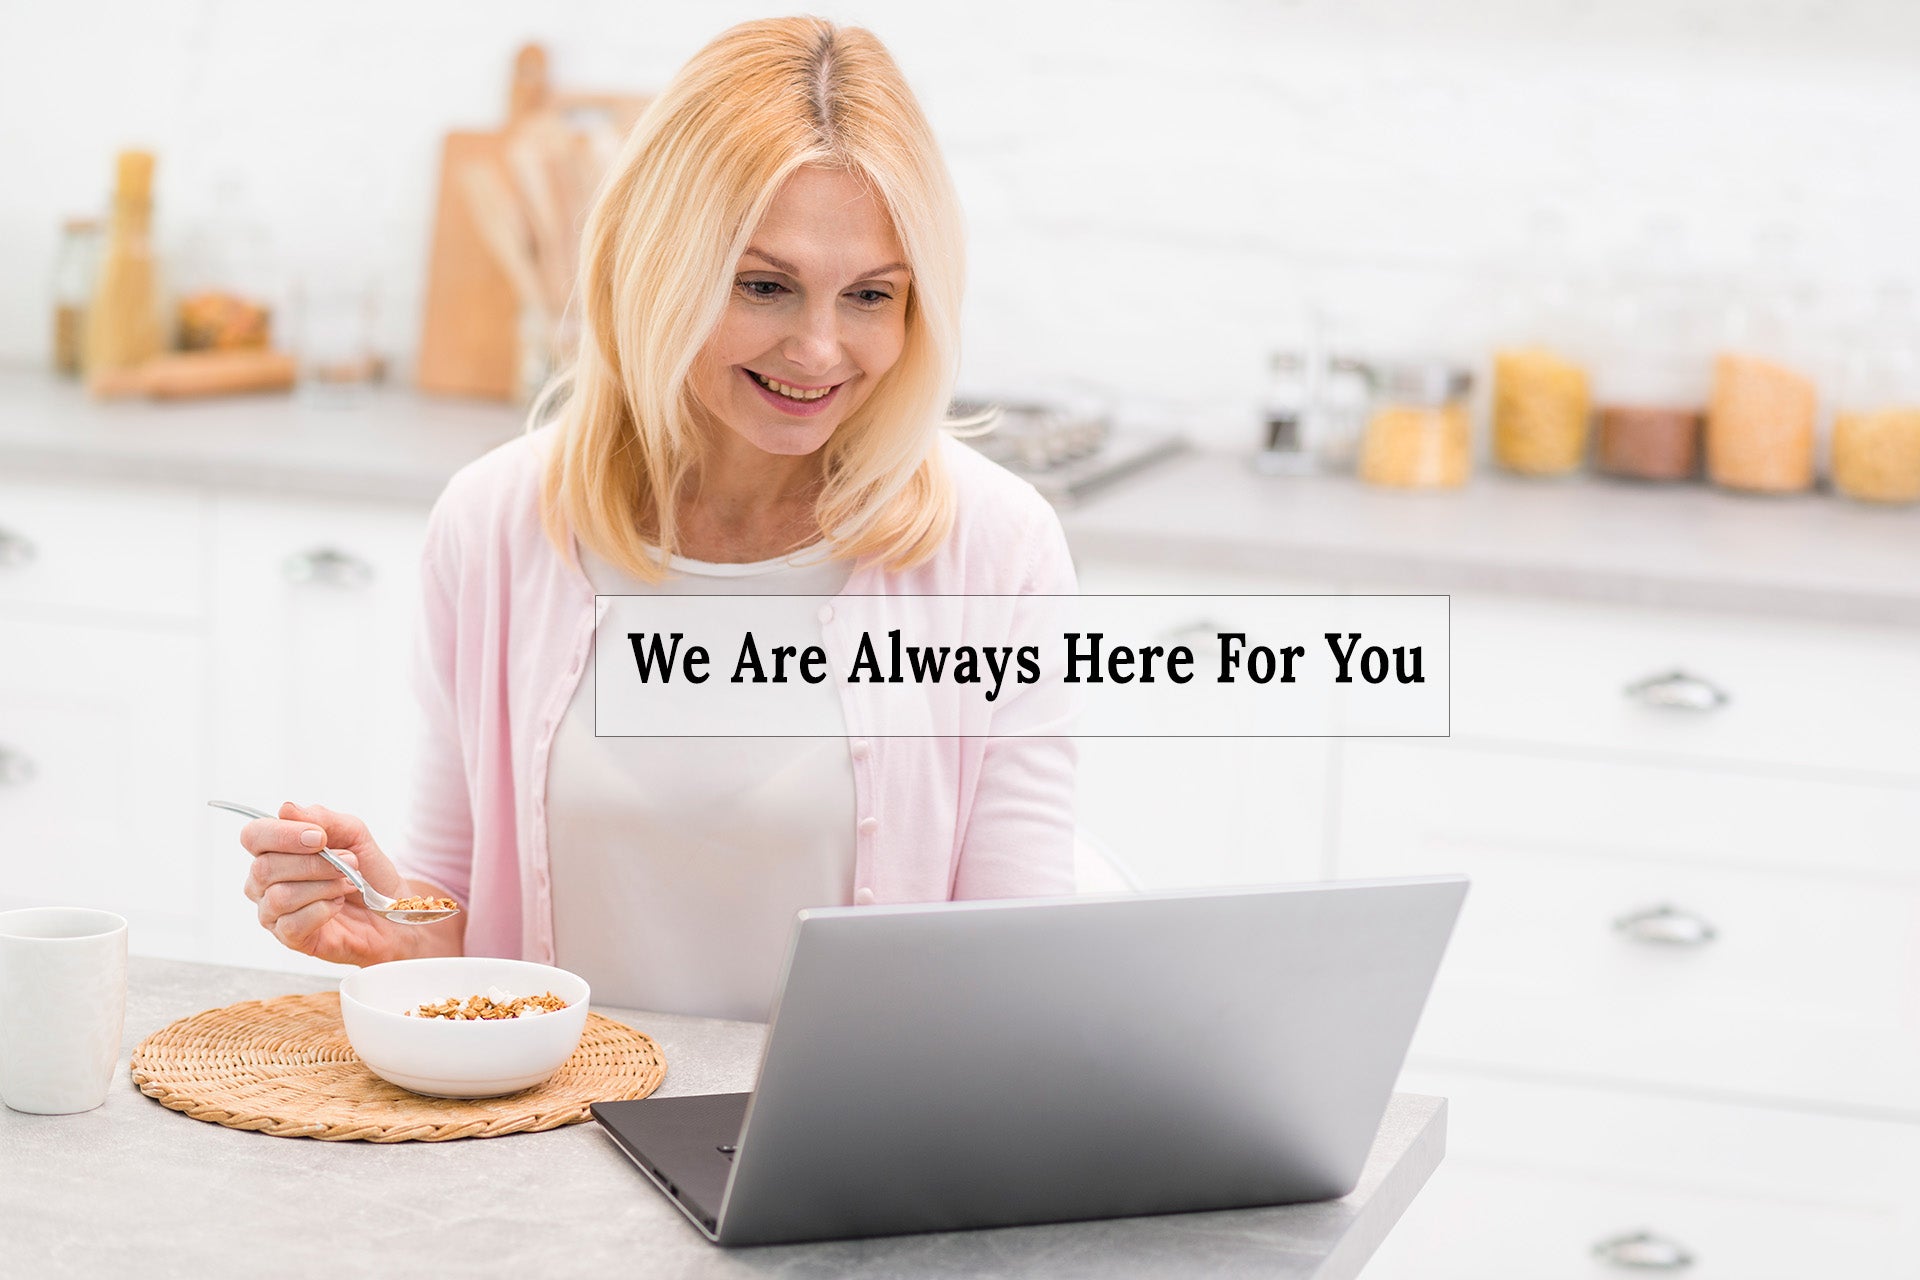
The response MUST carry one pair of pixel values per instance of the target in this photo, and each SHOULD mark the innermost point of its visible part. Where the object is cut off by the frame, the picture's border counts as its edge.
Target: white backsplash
(1153, 190)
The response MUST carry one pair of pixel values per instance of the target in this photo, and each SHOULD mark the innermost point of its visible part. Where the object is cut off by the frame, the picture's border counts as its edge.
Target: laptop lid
(956, 1065)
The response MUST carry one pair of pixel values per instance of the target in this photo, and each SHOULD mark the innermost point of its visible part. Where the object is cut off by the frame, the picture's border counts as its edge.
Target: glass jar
(123, 325)
(1876, 424)
(228, 283)
(1541, 402)
(1762, 413)
(1420, 435)
(1650, 383)
(1541, 410)
(1283, 417)
(74, 272)
(1340, 413)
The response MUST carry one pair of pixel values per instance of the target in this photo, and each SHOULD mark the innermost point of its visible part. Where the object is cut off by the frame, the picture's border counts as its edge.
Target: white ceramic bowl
(448, 1059)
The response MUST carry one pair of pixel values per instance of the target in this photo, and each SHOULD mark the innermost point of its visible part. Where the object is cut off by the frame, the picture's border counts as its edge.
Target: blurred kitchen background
(1600, 319)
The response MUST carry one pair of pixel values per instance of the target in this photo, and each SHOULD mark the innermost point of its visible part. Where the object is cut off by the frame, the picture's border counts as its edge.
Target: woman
(770, 285)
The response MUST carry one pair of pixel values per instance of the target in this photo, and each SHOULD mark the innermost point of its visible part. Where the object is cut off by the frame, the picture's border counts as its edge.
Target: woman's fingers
(269, 835)
(278, 868)
(291, 897)
(343, 830)
(297, 928)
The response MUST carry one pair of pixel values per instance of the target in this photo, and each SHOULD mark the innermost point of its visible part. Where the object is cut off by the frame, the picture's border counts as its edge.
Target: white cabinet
(103, 730)
(1189, 812)
(1710, 689)
(127, 553)
(1564, 1182)
(312, 636)
(1748, 935)
(161, 645)
(104, 741)
(1680, 1019)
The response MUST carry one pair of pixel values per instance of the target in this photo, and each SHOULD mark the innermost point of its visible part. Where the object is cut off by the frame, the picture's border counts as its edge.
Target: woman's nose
(815, 345)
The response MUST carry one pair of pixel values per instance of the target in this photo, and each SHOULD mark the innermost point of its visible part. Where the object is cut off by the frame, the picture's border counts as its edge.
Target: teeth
(791, 393)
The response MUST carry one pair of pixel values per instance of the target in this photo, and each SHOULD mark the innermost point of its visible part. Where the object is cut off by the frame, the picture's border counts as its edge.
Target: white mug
(63, 1007)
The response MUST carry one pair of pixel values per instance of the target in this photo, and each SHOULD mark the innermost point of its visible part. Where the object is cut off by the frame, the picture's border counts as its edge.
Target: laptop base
(685, 1145)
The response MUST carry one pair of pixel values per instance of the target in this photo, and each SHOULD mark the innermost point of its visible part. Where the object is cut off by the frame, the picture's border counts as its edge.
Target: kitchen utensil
(491, 267)
(191, 374)
(456, 1059)
(63, 1005)
(375, 900)
(469, 345)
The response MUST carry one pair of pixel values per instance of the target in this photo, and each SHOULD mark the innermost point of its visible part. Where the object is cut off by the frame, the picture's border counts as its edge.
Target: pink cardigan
(505, 635)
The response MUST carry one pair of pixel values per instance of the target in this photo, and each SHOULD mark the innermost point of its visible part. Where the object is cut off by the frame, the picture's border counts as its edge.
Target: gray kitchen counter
(1812, 556)
(135, 1189)
(384, 442)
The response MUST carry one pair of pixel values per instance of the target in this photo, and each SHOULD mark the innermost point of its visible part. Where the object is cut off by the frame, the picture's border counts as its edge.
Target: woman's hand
(308, 905)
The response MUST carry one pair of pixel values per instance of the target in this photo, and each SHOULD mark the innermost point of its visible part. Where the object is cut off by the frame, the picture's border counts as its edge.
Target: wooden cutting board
(470, 339)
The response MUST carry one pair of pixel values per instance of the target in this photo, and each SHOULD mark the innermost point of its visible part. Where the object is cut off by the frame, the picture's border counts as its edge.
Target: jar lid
(1422, 381)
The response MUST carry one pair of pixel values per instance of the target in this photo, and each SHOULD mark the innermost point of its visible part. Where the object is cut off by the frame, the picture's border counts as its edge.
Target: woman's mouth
(790, 399)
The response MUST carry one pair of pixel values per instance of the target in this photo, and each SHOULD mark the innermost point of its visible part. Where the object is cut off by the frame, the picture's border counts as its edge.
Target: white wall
(1153, 188)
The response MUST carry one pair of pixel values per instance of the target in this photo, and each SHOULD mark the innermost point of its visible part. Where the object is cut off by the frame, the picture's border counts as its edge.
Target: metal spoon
(375, 900)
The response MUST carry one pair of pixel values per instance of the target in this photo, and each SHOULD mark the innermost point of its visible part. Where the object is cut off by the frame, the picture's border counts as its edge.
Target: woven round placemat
(284, 1067)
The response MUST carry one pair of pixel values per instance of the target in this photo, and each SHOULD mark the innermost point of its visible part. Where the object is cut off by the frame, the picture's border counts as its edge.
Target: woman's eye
(872, 297)
(760, 288)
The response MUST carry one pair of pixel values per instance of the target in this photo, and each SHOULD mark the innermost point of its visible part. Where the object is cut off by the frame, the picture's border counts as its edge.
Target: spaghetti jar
(123, 315)
(1420, 435)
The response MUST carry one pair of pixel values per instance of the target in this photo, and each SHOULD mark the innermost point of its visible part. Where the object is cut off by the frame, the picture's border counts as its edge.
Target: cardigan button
(869, 825)
(826, 614)
(863, 897)
(861, 748)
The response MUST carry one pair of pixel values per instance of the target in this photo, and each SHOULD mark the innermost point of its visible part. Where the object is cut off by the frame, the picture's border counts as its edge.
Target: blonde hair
(658, 255)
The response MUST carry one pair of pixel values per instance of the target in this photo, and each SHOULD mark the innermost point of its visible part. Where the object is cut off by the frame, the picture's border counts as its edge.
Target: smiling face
(817, 316)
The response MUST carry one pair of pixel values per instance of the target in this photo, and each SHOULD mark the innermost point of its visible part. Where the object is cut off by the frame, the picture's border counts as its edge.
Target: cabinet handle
(16, 549)
(1643, 1251)
(1666, 926)
(1677, 691)
(15, 769)
(328, 567)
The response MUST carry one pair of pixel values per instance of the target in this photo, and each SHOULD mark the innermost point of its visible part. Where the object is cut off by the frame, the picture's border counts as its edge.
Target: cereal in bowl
(494, 1005)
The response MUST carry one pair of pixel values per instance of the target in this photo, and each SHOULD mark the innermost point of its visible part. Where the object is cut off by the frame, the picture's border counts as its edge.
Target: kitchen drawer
(102, 551)
(1834, 697)
(1537, 1177)
(102, 751)
(314, 611)
(1616, 928)
(1194, 812)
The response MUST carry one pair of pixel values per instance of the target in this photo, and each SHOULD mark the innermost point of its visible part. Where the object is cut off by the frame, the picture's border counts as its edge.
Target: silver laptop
(979, 1064)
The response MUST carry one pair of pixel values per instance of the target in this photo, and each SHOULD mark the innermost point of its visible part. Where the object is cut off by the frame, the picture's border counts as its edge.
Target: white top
(678, 863)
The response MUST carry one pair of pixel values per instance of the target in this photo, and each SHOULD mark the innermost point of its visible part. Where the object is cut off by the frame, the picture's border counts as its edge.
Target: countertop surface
(1811, 556)
(133, 1188)
(379, 442)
